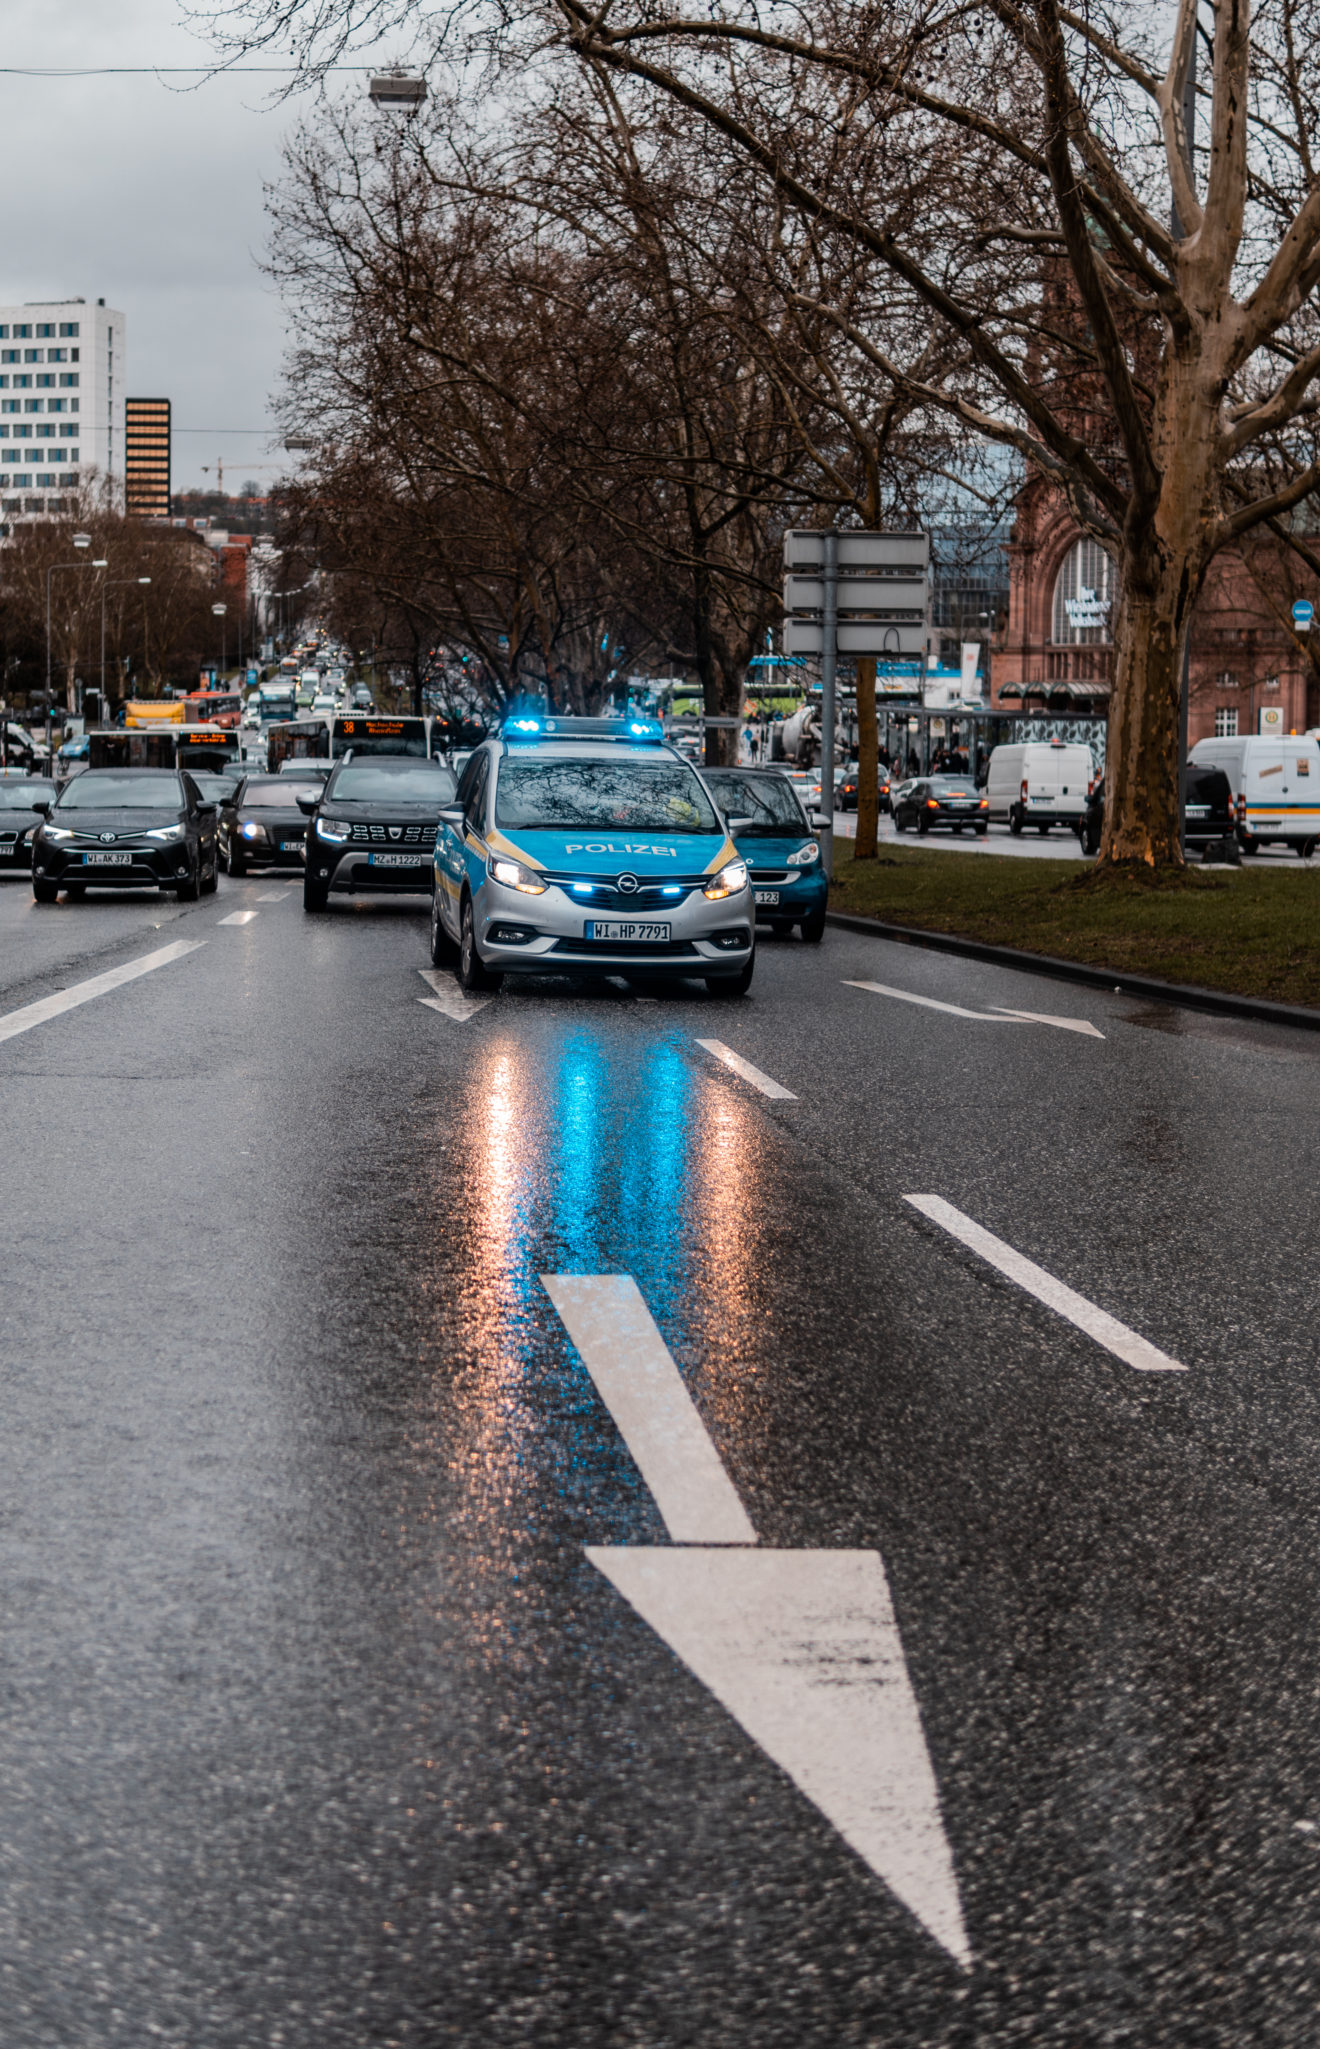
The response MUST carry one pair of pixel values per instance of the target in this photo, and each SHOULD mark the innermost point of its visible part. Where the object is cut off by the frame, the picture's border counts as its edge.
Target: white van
(1040, 783)
(1275, 780)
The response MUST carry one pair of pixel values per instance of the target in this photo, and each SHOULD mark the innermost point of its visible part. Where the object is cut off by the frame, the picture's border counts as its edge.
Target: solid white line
(239, 918)
(932, 1003)
(449, 999)
(642, 1388)
(1125, 1344)
(747, 1071)
(99, 985)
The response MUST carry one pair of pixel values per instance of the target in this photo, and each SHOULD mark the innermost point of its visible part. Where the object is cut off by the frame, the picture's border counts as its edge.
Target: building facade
(61, 401)
(1250, 669)
(147, 458)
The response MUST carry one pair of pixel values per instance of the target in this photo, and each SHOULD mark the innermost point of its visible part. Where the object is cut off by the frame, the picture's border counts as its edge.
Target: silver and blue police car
(589, 847)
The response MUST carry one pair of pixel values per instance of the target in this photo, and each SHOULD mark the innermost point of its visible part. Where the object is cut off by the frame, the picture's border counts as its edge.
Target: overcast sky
(118, 188)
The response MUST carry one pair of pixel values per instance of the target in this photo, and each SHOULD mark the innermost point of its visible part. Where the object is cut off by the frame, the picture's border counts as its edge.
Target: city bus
(297, 740)
(200, 747)
(360, 735)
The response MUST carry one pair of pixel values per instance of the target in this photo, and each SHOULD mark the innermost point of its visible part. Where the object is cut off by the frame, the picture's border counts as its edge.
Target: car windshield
(283, 792)
(598, 796)
(953, 786)
(22, 796)
(370, 783)
(767, 800)
(143, 789)
(307, 771)
(215, 788)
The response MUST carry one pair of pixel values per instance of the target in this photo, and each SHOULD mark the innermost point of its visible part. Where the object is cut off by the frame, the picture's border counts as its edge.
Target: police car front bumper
(552, 934)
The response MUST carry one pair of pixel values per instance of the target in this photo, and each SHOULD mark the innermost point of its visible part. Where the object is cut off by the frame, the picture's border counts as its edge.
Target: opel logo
(628, 885)
(107, 835)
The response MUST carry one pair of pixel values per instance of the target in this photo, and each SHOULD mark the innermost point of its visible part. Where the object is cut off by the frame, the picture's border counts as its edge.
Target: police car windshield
(767, 800)
(596, 796)
(367, 783)
(102, 790)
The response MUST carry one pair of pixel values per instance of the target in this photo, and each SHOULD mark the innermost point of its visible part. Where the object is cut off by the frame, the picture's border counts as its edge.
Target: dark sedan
(125, 828)
(373, 827)
(845, 790)
(942, 800)
(19, 817)
(261, 825)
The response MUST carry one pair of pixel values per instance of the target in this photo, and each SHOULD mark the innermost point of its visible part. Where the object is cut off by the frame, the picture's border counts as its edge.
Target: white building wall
(62, 386)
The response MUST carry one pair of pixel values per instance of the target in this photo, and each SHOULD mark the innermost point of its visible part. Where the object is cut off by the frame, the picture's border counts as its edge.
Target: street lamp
(120, 583)
(79, 541)
(220, 611)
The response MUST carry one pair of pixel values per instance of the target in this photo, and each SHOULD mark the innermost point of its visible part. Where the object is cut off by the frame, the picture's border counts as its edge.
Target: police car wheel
(442, 946)
(472, 974)
(729, 986)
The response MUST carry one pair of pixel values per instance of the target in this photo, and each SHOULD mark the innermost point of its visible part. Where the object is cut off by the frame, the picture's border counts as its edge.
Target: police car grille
(616, 949)
(597, 893)
(414, 835)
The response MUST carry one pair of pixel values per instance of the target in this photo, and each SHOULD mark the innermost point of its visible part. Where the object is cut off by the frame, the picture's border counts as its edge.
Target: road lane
(320, 1720)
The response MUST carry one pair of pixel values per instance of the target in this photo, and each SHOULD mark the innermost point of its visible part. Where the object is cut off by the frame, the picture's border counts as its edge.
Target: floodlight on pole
(398, 91)
(82, 540)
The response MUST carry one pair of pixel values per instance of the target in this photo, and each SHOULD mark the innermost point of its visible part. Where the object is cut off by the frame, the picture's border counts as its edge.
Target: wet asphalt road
(319, 1726)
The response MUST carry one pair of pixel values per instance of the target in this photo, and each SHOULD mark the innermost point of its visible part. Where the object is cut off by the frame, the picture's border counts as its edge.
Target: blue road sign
(1303, 612)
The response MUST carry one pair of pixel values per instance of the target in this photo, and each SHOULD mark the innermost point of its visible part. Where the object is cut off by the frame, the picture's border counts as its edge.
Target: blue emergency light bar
(524, 726)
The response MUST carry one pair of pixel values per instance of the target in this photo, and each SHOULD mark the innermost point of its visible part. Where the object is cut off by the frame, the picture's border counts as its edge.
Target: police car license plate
(767, 896)
(395, 860)
(624, 929)
(108, 860)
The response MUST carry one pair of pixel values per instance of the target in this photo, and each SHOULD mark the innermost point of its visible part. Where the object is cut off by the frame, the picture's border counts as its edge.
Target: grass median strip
(1252, 932)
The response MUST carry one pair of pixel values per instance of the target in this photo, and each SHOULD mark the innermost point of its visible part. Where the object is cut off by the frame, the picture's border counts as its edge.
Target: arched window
(1084, 594)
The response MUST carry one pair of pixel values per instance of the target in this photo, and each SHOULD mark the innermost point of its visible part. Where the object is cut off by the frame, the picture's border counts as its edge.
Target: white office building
(62, 389)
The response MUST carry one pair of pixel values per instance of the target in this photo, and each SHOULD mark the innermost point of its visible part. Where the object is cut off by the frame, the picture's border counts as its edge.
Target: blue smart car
(589, 847)
(775, 839)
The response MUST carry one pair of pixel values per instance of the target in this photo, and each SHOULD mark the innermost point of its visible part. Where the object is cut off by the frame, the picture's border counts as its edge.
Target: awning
(1089, 693)
(1011, 693)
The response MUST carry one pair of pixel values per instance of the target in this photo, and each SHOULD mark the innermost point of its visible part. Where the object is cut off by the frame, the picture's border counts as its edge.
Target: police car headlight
(804, 856)
(333, 829)
(166, 832)
(731, 878)
(513, 875)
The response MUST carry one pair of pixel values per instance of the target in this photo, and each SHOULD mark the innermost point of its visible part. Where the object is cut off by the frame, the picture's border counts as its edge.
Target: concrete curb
(1109, 979)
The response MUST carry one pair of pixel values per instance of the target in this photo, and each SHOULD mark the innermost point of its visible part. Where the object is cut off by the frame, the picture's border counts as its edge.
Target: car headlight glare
(165, 832)
(333, 829)
(251, 830)
(804, 856)
(56, 832)
(513, 875)
(731, 878)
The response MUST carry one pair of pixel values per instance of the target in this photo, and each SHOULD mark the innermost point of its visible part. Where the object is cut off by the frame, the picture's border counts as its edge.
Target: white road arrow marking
(749, 1073)
(801, 1647)
(98, 985)
(999, 1014)
(1125, 1344)
(449, 999)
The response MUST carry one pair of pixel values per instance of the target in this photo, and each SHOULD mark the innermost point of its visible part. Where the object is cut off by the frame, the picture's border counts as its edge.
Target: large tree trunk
(868, 765)
(1141, 767)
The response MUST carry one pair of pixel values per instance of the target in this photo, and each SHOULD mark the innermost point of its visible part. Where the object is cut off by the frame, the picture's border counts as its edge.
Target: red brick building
(1056, 653)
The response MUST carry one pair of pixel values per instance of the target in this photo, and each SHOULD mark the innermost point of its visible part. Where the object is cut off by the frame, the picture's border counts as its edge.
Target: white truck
(1275, 782)
(1040, 783)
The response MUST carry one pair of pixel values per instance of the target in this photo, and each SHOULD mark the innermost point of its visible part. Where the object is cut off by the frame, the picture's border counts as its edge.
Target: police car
(589, 846)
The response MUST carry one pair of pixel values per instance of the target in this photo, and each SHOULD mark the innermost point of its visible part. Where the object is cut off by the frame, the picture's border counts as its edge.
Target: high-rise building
(147, 457)
(61, 400)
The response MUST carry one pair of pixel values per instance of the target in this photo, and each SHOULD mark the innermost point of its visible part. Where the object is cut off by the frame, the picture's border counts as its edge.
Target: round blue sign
(1303, 612)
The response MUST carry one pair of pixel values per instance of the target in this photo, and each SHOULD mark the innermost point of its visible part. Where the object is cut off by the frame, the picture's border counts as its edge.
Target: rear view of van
(1276, 787)
(1040, 783)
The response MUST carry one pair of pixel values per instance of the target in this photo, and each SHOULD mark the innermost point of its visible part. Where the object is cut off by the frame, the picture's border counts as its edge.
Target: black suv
(373, 826)
(125, 828)
(261, 825)
(1209, 814)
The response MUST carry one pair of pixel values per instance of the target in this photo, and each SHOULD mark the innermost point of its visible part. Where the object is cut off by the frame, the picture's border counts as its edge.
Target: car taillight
(932, 804)
(1090, 787)
(1240, 809)
(985, 804)
(1024, 789)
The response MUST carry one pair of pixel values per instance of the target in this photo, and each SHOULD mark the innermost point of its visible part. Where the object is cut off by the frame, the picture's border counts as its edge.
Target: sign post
(1303, 612)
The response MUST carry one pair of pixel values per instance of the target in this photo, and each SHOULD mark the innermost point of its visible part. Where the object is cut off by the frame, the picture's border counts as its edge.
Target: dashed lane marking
(275, 896)
(239, 918)
(747, 1071)
(999, 1015)
(1125, 1344)
(449, 999)
(98, 985)
(801, 1648)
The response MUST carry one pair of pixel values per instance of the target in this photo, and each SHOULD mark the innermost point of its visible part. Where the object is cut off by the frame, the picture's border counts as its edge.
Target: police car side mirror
(307, 802)
(452, 815)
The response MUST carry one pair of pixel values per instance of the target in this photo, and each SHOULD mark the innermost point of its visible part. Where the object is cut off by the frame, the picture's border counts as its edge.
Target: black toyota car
(125, 828)
(261, 825)
(373, 826)
(19, 817)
